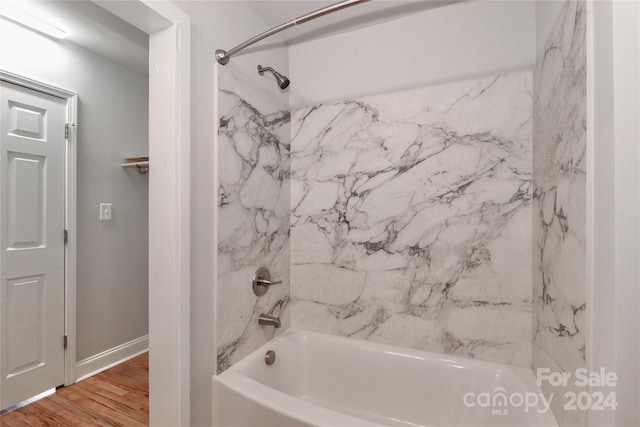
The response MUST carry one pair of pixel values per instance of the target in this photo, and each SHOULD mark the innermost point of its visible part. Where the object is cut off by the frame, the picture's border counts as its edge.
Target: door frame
(613, 201)
(169, 29)
(71, 143)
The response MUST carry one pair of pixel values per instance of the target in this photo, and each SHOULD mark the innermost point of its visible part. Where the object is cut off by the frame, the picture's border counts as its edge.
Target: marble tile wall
(411, 218)
(253, 215)
(559, 206)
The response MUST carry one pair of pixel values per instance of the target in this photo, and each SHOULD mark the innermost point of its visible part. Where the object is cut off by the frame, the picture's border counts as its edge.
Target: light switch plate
(105, 211)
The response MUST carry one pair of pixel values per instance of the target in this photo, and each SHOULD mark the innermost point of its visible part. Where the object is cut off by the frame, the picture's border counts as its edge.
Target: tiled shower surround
(406, 218)
(559, 159)
(253, 216)
(411, 218)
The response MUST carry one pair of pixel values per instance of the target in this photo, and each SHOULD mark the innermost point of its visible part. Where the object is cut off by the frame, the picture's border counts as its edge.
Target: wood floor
(116, 397)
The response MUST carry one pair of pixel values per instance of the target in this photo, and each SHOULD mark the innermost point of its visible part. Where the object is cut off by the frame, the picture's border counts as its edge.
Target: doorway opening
(168, 30)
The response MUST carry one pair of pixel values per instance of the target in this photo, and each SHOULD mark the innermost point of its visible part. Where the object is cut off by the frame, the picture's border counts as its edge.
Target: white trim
(600, 218)
(613, 59)
(169, 209)
(108, 359)
(638, 255)
(70, 213)
(71, 251)
(35, 85)
(626, 84)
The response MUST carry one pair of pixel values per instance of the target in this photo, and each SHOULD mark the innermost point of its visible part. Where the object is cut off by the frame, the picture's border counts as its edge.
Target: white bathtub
(331, 381)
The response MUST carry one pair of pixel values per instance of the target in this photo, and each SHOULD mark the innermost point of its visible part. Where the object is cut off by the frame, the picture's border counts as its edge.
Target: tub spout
(267, 320)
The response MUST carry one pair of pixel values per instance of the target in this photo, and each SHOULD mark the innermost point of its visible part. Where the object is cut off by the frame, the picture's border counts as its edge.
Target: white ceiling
(276, 12)
(93, 28)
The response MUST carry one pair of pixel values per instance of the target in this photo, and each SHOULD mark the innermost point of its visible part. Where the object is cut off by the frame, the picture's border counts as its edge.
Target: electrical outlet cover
(105, 211)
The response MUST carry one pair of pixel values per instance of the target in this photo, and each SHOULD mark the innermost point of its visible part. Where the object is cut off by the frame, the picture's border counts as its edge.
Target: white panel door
(32, 209)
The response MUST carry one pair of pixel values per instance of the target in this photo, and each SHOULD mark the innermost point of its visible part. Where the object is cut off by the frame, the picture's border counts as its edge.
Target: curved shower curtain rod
(222, 56)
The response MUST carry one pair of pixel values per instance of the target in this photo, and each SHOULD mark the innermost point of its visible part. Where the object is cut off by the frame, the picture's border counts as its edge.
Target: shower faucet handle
(262, 281)
(265, 282)
(268, 320)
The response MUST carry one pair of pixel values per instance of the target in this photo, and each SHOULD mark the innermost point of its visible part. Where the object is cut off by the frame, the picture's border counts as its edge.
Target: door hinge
(66, 129)
(66, 338)
(66, 236)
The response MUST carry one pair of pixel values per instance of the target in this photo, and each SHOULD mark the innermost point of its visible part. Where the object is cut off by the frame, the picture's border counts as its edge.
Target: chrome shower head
(283, 82)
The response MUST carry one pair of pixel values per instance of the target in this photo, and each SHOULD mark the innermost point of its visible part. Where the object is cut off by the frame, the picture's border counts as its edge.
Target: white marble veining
(411, 218)
(253, 218)
(559, 223)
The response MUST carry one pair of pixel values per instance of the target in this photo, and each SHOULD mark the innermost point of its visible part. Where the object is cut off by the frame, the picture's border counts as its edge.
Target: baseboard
(114, 356)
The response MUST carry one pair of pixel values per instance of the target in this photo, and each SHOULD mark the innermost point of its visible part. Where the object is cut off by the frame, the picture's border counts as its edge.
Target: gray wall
(113, 255)
(112, 276)
(447, 44)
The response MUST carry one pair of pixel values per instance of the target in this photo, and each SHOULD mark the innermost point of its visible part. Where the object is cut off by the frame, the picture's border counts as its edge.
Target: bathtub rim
(238, 381)
(526, 375)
